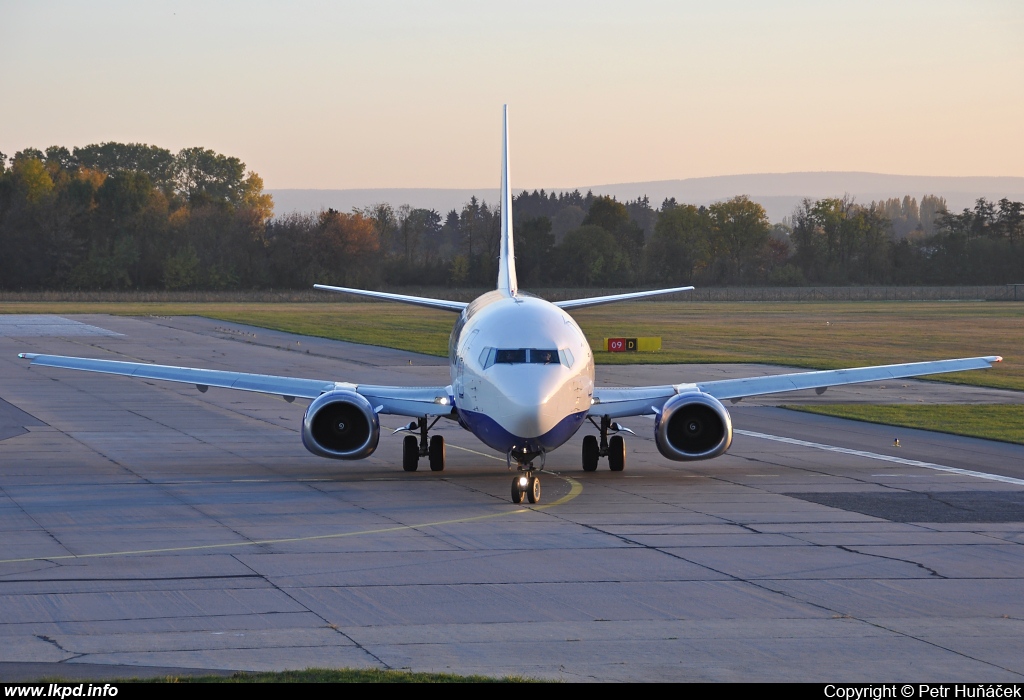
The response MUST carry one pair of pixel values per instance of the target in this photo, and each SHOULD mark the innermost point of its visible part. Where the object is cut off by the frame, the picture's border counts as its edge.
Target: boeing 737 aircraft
(522, 381)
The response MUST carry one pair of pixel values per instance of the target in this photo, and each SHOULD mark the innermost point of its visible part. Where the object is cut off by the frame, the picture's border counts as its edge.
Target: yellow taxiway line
(575, 489)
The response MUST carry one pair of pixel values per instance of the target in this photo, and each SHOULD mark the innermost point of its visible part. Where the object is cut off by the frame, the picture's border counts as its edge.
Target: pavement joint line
(884, 458)
(575, 489)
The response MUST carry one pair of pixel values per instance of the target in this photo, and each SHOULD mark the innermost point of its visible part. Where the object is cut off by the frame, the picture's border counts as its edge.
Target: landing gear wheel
(410, 453)
(591, 453)
(437, 454)
(533, 490)
(517, 491)
(617, 453)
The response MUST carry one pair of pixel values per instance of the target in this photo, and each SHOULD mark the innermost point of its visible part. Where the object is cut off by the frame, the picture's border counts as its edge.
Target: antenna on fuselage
(507, 261)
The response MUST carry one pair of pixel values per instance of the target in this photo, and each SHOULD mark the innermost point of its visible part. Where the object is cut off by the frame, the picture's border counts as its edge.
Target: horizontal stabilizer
(595, 301)
(403, 298)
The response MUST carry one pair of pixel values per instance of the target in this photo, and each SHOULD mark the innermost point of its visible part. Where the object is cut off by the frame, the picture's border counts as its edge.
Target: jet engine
(340, 425)
(693, 426)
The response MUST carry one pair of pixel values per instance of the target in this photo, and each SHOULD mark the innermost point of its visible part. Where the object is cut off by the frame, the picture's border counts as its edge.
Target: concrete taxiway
(148, 526)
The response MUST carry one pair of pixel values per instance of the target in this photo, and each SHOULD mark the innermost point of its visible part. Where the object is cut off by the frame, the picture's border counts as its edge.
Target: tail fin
(507, 262)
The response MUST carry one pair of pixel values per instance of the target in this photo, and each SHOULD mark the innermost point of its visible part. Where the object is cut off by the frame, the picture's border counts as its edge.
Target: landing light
(523, 482)
(442, 400)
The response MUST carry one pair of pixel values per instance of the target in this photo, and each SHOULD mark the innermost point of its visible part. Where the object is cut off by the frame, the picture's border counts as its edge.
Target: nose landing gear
(412, 449)
(614, 449)
(527, 483)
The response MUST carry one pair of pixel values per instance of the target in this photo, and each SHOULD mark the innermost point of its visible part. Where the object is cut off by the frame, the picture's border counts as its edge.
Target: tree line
(118, 216)
(124, 216)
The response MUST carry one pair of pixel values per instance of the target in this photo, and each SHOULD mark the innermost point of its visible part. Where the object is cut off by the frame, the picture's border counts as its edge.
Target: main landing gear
(527, 483)
(413, 449)
(614, 449)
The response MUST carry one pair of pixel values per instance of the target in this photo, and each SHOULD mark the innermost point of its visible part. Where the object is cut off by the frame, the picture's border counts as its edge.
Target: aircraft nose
(528, 408)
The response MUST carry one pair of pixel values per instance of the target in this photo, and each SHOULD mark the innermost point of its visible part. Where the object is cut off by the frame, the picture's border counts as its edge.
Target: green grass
(311, 675)
(383, 324)
(819, 335)
(992, 422)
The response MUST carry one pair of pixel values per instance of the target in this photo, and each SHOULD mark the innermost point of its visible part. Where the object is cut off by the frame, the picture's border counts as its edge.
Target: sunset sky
(409, 94)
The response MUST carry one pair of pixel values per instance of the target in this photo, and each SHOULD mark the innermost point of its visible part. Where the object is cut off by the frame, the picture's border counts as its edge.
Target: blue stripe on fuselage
(493, 435)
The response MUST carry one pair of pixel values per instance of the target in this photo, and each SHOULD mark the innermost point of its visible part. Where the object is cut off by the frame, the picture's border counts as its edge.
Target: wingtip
(998, 358)
(27, 355)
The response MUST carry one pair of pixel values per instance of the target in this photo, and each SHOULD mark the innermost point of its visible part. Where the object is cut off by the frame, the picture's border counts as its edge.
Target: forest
(132, 216)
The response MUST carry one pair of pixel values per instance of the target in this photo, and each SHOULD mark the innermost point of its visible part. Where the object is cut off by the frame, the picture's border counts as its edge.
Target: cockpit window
(533, 356)
(543, 357)
(509, 357)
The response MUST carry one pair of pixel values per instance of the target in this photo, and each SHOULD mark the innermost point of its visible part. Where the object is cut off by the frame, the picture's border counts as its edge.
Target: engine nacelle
(340, 425)
(693, 426)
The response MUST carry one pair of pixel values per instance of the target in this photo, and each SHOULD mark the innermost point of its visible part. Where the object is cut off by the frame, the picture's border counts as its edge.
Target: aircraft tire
(410, 453)
(517, 493)
(591, 453)
(617, 453)
(533, 490)
(437, 454)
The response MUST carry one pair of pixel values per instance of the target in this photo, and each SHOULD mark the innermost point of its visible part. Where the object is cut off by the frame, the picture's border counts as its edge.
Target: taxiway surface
(149, 525)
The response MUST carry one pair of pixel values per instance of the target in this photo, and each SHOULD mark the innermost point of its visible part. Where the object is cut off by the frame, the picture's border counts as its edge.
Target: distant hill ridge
(778, 193)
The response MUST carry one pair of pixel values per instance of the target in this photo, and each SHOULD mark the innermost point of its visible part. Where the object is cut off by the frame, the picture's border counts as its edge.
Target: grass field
(820, 335)
(991, 422)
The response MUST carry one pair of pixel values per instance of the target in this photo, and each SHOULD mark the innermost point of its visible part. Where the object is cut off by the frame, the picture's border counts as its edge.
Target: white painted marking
(466, 449)
(47, 325)
(884, 458)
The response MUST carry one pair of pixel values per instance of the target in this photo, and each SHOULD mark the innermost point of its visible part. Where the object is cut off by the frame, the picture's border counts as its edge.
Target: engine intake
(693, 426)
(340, 425)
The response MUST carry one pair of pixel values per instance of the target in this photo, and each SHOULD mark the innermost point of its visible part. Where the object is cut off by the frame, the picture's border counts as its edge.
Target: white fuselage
(522, 373)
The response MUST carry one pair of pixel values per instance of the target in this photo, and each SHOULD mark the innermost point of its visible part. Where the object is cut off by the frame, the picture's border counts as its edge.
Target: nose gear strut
(527, 483)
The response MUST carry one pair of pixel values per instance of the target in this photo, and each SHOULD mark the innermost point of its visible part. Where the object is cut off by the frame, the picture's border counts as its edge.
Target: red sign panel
(622, 345)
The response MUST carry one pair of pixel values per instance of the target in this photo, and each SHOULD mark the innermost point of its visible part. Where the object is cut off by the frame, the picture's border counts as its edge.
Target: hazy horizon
(778, 193)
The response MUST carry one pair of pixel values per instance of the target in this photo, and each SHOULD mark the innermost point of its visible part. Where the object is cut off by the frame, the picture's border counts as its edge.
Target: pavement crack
(50, 640)
(852, 550)
(327, 623)
(878, 625)
(35, 521)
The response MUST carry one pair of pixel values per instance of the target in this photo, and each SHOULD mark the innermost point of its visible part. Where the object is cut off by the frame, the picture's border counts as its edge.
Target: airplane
(522, 381)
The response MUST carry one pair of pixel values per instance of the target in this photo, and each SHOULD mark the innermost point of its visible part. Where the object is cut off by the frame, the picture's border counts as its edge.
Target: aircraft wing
(402, 401)
(620, 402)
(629, 296)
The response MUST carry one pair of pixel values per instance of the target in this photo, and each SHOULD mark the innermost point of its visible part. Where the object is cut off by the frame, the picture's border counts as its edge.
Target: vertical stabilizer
(507, 262)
